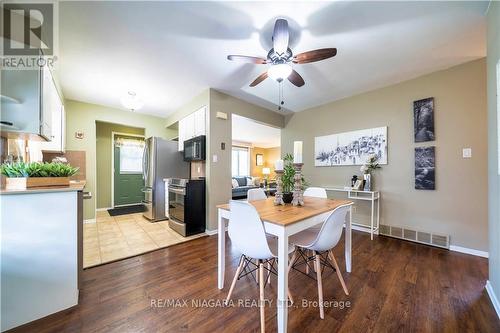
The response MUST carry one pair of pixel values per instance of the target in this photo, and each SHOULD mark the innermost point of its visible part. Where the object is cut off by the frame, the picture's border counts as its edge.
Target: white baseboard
(363, 229)
(493, 297)
(89, 221)
(212, 232)
(103, 209)
(466, 250)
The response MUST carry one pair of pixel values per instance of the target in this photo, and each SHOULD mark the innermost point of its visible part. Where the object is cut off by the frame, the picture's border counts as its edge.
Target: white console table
(373, 196)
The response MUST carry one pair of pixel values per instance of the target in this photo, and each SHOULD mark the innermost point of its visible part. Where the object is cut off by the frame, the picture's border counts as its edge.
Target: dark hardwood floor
(395, 286)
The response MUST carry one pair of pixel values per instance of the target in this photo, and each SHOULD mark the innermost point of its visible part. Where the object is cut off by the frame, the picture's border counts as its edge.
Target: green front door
(127, 185)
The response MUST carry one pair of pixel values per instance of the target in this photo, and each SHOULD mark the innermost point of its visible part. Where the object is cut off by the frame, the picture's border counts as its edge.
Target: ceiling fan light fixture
(131, 101)
(279, 72)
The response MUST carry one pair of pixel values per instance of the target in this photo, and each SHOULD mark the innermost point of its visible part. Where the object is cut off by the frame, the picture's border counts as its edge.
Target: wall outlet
(215, 158)
(467, 152)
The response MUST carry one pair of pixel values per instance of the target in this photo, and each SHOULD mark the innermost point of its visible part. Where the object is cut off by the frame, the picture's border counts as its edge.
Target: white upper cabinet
(191, 126)
(199, 122)
(53, 115)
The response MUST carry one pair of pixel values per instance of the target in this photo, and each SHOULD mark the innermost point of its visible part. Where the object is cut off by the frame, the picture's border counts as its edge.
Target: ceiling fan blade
(314, 55)
(296, 79)
(259, 79)
(247, 59)
(280, 36)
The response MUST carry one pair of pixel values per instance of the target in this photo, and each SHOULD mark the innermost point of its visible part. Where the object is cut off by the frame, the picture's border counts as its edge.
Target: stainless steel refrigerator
(161, 160)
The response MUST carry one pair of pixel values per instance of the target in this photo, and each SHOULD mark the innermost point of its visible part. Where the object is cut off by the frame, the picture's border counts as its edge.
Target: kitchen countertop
(73, 186)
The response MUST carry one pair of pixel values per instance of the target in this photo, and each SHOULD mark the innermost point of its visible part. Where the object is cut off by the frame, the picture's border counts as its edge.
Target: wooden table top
(288, 214)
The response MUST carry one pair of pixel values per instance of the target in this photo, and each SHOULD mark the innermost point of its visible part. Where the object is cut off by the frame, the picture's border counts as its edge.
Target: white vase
(368, 182)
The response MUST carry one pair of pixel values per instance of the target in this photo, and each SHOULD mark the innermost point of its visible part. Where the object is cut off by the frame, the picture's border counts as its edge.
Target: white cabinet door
(189, 126)
(181, 129)
(199, 122)
(47, 104)
(53, 109)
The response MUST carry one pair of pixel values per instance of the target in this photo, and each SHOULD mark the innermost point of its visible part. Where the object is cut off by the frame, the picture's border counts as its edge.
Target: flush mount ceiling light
(131, 101)
(279, 72)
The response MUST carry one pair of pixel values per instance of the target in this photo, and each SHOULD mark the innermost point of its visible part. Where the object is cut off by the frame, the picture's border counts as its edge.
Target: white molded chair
(248, 235)
(321, 244)
(317, 192)
(256, 194)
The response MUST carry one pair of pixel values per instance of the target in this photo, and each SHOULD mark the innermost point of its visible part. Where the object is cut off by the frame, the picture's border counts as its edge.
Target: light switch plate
(467, 152)
(215, 158)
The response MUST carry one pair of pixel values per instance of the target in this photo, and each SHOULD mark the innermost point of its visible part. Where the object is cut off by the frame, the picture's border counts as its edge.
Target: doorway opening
(255, 149)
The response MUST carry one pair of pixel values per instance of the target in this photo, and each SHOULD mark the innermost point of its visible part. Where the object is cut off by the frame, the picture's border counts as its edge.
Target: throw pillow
(234, 183)
(249, 181)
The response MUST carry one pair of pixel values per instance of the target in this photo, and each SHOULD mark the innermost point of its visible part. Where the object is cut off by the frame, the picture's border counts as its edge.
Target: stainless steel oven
(177, 199)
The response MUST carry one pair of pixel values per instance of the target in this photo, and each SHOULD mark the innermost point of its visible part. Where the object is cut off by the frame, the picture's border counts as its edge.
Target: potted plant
(288, 178)
(370, 165)
(22, 175)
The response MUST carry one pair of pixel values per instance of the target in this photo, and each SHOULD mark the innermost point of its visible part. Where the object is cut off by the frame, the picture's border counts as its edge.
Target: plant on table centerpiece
(288, 178)
(35, 174)
(370, 165)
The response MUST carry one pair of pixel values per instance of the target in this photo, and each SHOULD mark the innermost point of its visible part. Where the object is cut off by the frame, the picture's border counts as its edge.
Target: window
(240, 161)
(131, 151)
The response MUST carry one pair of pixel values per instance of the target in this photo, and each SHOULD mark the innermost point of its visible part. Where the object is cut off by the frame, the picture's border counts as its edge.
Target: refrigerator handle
(144, 166)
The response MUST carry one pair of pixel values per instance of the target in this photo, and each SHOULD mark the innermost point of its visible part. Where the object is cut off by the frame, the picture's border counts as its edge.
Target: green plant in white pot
(370, 165)
(288, 178)
(36, 174)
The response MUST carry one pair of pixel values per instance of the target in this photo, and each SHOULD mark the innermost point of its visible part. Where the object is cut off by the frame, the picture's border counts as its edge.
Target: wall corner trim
(466, 250)
(493, 297)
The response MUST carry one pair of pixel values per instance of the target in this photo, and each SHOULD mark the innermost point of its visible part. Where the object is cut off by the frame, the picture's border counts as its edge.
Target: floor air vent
(415, 236)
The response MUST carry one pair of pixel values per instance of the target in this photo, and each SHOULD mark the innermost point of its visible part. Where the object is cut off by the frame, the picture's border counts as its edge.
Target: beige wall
(83, 116)
(458, 206)
(219, 173)
(103, 157)
(270, 156)
(493, 142)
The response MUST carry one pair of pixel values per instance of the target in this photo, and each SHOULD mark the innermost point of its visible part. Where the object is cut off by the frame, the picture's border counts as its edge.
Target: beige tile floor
(117, 237)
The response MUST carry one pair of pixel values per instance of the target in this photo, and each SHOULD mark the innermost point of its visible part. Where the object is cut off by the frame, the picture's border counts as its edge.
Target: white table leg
(378, 213)
(348, 238)
(371, 220)
(221, 260)
(282, 281)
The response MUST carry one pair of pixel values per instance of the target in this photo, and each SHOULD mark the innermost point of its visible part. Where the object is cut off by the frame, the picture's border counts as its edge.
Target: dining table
(284, 221)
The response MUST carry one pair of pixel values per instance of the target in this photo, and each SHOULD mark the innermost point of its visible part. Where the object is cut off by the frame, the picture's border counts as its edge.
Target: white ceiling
(251, 132)
(169, 52)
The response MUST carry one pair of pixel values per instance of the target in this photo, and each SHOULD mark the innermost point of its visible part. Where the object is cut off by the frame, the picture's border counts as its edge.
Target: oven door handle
(177, 190)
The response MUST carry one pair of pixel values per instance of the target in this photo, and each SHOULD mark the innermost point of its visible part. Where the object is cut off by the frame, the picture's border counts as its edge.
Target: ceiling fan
(281, 56)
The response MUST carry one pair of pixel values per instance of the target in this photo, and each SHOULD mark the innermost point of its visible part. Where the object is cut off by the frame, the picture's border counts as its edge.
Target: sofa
(240, 192)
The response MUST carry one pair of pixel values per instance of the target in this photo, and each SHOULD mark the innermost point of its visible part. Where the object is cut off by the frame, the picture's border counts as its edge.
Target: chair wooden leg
(292, 261)
(257, 271)
(268, 272)
(261, 304)
(314, 266)
(307, 264)
(238, 271)
(320, 285)
(339, 274)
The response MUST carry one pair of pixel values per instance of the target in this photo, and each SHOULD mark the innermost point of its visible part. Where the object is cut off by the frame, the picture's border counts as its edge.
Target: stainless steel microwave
(194, 149)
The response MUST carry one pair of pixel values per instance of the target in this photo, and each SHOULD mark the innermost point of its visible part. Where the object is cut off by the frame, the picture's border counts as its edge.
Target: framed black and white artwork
(423, 120)
(351, 148)
(425, 168)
